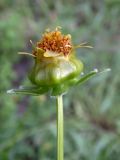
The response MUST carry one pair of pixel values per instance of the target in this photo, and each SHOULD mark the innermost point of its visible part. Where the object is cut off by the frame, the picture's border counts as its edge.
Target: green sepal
(54, 71)
(90, 75)
(33, 90)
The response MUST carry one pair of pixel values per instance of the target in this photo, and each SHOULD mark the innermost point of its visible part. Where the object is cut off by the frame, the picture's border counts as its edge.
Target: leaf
(33, 90)
(90, 75)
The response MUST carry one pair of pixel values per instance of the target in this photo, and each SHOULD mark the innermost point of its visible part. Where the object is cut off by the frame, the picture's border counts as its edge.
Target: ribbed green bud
(54, 71)
(56, 66)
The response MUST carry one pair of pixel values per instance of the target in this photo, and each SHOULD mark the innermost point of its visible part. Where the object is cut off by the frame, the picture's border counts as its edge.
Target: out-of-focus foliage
(92, 111)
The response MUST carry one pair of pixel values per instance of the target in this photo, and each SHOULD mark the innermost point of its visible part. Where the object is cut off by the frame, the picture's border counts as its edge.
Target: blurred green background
(92, 111)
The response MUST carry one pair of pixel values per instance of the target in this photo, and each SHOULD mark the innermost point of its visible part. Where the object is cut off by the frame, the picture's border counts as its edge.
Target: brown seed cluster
(55, 41)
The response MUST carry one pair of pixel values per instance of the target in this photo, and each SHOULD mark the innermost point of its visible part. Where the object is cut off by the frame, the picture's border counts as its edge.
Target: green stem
(60, 145)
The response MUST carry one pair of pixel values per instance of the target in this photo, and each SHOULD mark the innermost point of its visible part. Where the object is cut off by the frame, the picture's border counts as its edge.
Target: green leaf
(33, 90)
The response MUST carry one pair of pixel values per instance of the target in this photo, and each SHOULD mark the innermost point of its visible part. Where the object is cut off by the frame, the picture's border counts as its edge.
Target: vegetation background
(92, 111)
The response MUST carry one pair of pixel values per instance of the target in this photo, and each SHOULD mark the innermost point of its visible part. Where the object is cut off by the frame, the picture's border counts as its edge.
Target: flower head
(56, 66)
(56, 42)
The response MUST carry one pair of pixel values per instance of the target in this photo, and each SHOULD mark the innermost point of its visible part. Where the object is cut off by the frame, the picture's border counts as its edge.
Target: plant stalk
(60, 140)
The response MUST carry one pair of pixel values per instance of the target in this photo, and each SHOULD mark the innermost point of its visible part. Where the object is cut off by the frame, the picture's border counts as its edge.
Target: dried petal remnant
(56, 42)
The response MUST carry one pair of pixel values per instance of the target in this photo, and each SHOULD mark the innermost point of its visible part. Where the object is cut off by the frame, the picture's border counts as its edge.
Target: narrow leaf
(34, 91)
(90, 75)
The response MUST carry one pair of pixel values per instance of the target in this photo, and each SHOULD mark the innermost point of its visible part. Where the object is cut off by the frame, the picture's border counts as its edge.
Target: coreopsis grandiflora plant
(56, 70)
